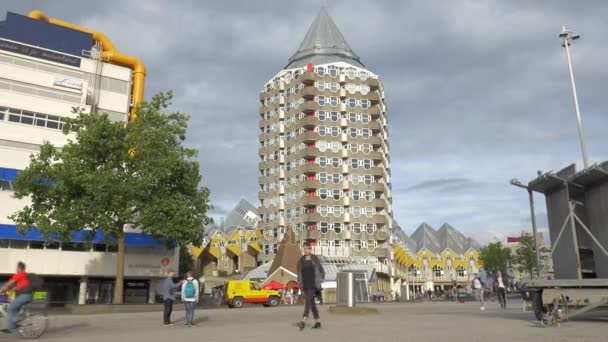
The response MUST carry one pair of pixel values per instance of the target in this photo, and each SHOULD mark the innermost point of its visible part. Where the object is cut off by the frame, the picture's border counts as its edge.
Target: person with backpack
(190, 295)
(479, 287)
(21, 283)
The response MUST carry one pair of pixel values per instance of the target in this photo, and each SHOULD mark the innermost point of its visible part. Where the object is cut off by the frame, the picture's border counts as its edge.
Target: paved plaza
(419, 322)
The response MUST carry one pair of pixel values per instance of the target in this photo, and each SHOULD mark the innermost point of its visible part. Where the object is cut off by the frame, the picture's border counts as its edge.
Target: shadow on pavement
(56, 331)
(197, 320)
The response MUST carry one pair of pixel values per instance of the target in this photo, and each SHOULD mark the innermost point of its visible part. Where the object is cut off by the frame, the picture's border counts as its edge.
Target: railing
(332, 251)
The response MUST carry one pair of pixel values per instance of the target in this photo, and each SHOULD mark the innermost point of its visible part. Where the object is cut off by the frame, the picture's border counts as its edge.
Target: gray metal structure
(351, 288)
(345, 289)
(577, 208)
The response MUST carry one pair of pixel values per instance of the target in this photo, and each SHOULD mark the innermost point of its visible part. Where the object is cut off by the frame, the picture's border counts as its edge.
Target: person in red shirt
(21, 283)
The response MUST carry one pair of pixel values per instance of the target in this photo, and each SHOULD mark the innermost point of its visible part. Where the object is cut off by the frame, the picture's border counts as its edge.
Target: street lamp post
(567, 37)
(519, 184)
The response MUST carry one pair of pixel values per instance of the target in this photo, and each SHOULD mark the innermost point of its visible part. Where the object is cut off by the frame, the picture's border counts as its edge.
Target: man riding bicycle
(21, 283)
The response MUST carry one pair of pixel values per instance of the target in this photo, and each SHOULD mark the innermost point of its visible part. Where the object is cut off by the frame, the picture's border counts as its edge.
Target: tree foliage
(186, 262)
(495, 257)
(524, 257)
(110, 174)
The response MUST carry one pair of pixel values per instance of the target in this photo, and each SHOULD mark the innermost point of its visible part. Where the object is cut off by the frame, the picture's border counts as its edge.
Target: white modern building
(45, 71)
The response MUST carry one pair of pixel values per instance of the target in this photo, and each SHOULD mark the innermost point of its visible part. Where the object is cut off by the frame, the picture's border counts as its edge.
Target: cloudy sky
(478, 91)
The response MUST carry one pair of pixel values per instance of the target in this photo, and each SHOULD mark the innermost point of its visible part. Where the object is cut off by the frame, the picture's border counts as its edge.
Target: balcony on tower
(308, 77)
(374, 83)
(309, 92)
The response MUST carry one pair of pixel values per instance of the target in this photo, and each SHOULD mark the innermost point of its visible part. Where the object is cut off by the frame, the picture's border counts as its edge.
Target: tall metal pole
(534, 230)
(566, 43)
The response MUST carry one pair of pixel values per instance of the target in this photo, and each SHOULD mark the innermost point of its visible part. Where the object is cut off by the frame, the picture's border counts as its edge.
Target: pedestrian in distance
(479, 287)
(168, 292)
(310, 277)
(190, 296)
(501, 290)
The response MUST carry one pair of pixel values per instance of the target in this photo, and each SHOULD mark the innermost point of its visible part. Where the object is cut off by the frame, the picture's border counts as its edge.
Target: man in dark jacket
(168, 292)
(310, 276)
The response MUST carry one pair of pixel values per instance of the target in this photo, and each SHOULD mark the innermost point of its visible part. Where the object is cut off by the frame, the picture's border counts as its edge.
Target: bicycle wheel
(32, 325)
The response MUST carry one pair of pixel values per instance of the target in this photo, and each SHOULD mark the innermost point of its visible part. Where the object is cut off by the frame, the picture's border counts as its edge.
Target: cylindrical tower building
(324, 155)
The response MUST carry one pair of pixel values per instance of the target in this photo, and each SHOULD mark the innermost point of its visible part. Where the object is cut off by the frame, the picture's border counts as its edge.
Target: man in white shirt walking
(478, 287)
(500, 283)
(190, 295)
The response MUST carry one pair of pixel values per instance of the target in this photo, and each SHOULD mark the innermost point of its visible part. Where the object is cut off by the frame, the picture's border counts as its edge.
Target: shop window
(36, 245)
(19, 244)
(74, 247)
(99, 247)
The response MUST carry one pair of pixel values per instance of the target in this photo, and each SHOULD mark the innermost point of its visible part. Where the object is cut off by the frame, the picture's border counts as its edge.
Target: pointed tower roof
(450, 237)
(426, 237)
(288, 254)
(472, 244)
(323, 44)
(405, 240)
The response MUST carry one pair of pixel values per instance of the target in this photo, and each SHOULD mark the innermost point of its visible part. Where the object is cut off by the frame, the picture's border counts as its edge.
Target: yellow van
(239, 292)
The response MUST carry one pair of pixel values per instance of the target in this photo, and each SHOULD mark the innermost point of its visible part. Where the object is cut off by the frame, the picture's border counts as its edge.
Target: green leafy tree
(186, 262)
(495, 257)
(111, 174)
(524, 255)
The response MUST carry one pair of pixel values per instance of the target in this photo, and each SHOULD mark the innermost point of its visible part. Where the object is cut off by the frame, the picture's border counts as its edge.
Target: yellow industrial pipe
(111, 54)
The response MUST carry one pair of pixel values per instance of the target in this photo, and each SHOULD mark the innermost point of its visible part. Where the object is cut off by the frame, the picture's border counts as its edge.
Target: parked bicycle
(30, 325)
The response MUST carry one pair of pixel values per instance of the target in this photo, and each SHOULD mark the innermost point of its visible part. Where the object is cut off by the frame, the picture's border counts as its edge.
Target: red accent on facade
(513, 239)
(310, 67)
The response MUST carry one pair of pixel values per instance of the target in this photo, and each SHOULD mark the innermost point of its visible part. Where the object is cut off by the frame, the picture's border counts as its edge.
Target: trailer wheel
(537, 304)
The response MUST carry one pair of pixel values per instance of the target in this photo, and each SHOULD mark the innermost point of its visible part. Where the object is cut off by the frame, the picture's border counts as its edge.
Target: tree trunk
(120, 267)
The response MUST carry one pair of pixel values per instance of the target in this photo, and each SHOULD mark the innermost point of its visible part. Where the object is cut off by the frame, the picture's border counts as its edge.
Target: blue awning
(8, 231)
(7, 174)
